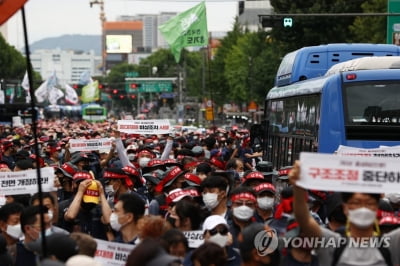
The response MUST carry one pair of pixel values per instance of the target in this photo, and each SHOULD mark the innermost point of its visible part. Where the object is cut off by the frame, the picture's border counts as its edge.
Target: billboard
(118, 44)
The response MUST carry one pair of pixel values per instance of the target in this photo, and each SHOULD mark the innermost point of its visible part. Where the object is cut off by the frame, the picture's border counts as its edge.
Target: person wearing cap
(184, 212)
(87, 207)
(265, 202)
(215, 190)
(118, 182)
(267, 169)
(253, 179)
(64, 174)
(216, 230)
(8, 153)
(172, 179)
(53, 155)
(125, 216)
(244, 203)
(250, 252)
(152, 180)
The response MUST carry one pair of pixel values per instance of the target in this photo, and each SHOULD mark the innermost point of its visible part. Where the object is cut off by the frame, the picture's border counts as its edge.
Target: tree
(307, 31)
(13, 64)
(370, 29)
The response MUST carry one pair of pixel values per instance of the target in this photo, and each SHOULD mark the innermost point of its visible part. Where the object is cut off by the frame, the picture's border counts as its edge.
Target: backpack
(385, 252)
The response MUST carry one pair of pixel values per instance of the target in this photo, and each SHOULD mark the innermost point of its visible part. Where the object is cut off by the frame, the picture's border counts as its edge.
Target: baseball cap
(283, 173)
(266, 168)
(92, 194)
(212, 221)
(265, 187)
(58, 244)
(82, 175)
(253, 175)
(178, 194)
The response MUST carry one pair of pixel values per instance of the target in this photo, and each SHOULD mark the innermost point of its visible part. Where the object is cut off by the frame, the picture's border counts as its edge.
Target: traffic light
(275, 21)
(135, 86)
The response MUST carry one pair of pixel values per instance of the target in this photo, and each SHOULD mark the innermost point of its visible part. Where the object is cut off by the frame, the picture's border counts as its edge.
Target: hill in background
(74, 42)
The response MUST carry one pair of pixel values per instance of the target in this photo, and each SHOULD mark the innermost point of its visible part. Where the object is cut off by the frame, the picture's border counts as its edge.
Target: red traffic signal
(134, 85)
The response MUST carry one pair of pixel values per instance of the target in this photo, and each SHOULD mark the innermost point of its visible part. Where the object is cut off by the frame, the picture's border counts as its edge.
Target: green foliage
(371, 29)
(13, 64)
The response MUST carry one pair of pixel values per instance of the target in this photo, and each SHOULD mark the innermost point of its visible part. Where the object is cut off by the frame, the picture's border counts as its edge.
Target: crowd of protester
(149, 191)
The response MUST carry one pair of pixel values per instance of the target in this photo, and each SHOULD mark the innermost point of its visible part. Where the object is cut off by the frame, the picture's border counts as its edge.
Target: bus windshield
(372, 103)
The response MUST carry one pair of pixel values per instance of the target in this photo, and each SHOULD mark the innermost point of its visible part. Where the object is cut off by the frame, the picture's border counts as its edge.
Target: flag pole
(209, 80)
(34, 129)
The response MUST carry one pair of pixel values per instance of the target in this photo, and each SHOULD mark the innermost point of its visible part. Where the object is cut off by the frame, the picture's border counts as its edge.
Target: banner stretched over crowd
(160, 126)
(186, 29)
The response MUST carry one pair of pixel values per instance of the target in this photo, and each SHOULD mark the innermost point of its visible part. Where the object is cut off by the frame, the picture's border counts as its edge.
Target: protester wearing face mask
(89, 204)
(265, 202)
(243, 208)
(31, 227)
(361, 212)
(215, 194)
(10, 225)
(123, 220)
(173, 178)
(215, 230)
(143, 157)
(117, 182)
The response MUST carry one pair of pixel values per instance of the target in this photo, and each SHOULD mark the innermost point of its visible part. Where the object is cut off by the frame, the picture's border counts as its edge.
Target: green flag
(90, 92)
(189, 28)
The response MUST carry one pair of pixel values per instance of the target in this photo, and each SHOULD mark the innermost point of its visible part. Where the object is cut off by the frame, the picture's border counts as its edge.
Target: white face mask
(131, 156)
(109, 189)
(265, 203)
(50, 214)
(241, 174)
(14, 231)
(219, 239)
(243, 212)
(114, 223)
(210, 200)
(48, 231)
(362, 217)
(144, 161)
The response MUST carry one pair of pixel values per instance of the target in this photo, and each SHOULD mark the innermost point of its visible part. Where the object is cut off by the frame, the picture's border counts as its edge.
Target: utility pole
(103, 43)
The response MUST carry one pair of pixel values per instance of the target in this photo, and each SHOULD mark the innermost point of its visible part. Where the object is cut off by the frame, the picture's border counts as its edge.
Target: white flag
(71, 96)
(54, 95)
(25, 85)
(41, 92)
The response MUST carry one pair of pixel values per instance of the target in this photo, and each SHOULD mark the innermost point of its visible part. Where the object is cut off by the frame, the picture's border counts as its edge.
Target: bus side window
(372, 112)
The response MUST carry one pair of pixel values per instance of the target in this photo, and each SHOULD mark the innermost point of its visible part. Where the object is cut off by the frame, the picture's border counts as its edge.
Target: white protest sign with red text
(154, 127)
(385, 152)
(349, 173)
(89, 144)
(112, 253)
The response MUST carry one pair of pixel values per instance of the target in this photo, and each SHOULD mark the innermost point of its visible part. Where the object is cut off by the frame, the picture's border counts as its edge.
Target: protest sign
(195, 238)
(112, 253)
(89, 144)
(25, 182)
(349, 173)
(386, 152)
(154, 127)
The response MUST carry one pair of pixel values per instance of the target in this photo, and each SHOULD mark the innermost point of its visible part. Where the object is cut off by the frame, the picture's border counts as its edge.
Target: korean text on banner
(195, 238)
(386, 152)
(189, 28)
(154, 127)
(25, 182)
(89, 144)
(349, 173)
(112, 253)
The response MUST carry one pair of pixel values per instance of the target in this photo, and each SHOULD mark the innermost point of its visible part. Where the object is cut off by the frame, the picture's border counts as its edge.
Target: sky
(53, 18)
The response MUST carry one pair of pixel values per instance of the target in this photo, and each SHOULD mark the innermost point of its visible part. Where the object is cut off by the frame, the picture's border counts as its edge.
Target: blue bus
(314, 61)
(357, 103)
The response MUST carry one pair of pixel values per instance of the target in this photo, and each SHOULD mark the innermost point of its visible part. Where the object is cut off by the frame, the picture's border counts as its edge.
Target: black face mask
(88, 206)
(171, 220)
